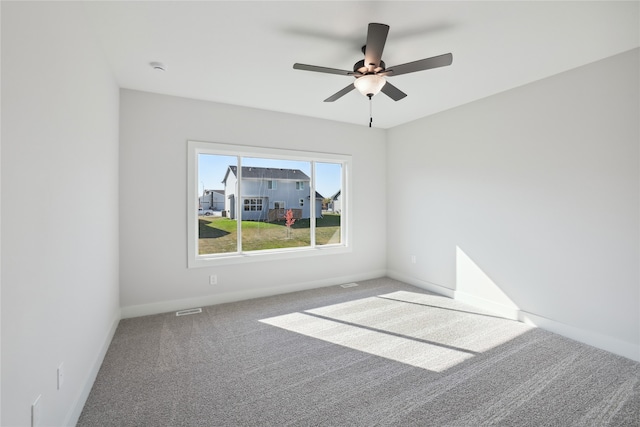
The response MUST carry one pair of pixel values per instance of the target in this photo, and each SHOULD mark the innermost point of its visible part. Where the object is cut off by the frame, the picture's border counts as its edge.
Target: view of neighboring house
(267, 193)
(335, 205)
(212, 200)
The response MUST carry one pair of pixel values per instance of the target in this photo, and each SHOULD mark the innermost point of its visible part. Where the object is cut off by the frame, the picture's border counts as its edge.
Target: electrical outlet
(60, 376)
(213, 279)
(36, 412)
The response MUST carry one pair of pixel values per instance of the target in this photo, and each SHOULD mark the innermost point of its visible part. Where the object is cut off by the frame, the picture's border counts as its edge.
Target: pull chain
(370, 109)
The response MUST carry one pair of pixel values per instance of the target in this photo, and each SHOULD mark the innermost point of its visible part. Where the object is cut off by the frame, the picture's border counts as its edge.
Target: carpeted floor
(380, 354)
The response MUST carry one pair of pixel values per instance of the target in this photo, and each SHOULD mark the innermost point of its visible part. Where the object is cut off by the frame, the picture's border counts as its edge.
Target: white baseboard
(427, 286)
(595, 339)
(203, 301)
(76, 408)
(501, 310)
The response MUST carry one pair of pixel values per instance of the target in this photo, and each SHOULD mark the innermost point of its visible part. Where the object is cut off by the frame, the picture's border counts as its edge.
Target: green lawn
(218, 235)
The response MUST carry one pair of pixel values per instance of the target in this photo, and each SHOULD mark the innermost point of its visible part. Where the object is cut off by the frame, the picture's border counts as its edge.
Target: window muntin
(247, 204)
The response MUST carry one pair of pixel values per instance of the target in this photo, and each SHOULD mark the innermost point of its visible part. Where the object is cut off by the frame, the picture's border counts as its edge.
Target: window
(252, 204)
(268, 211)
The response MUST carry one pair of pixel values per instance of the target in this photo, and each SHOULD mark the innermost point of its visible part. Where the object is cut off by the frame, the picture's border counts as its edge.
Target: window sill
(262, 256)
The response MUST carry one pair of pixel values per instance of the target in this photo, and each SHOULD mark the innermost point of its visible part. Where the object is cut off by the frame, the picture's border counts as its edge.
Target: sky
(212, 168)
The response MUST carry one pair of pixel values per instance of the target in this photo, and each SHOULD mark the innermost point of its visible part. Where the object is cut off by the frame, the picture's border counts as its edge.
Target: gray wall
(153, 251)
(528, 202)
(59, 252)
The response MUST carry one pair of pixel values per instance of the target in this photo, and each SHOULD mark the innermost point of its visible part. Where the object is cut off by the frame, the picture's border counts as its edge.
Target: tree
(325, 203)
(289, 221)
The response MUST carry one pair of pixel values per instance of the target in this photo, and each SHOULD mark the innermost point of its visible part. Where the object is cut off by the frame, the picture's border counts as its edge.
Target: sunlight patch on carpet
(421, 330)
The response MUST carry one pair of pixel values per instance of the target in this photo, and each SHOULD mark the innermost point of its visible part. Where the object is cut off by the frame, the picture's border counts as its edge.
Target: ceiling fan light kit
(370, 73)
(369, 84)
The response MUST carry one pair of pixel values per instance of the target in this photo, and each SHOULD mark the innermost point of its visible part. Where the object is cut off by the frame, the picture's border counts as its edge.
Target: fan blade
(392, 92)
(315, 68)
(420, 65)
(376, 38)
(340, 93)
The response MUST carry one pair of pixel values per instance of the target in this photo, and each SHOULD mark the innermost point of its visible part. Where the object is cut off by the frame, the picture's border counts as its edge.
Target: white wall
(154, 130)
(59, 210)
(529, 200)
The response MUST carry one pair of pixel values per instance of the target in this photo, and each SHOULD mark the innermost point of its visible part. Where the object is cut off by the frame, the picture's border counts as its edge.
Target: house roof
(214, 191)
(252, 172)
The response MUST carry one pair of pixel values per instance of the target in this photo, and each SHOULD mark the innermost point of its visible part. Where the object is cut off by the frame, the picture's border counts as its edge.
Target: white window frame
(272, 185)
(195, 260)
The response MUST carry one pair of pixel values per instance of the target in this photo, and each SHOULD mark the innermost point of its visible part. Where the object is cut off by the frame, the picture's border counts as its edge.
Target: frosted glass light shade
(369, 84)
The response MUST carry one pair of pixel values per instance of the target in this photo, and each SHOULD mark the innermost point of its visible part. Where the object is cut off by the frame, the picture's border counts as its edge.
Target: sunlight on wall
(421, 330)
(474, 286)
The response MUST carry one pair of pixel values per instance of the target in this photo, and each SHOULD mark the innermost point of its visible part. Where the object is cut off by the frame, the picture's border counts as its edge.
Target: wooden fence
(278, 214)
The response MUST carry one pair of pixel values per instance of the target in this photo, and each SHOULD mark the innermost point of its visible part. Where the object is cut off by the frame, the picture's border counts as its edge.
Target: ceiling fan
(370, 72)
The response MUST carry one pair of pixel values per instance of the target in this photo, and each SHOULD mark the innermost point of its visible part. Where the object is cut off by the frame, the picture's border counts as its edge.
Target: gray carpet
(380, 354)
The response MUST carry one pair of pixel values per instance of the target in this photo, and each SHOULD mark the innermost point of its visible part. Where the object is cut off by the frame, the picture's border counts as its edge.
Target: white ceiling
(242, 53)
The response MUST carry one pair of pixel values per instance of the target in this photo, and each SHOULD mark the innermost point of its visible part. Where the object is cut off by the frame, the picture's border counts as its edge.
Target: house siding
(212, 200)
(230, 186)
(286, 190)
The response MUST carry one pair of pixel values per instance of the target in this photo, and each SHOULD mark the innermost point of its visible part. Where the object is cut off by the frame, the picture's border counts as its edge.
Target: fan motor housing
(359, 67)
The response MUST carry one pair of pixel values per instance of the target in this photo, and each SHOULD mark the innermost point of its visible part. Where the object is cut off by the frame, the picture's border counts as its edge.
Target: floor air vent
(189, 311)
(348, 285)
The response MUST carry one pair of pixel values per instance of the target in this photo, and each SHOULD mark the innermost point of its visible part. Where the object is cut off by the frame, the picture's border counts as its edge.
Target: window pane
(329, 196)
(307, 186)
(217, 232)
(266, 225)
